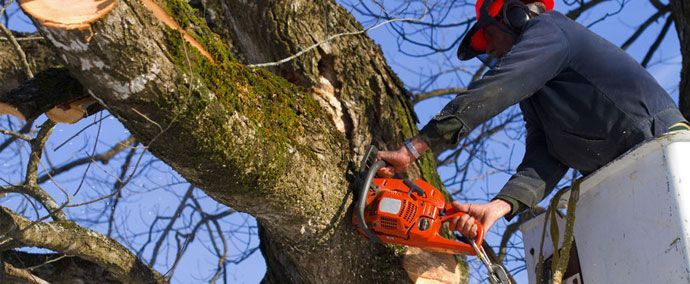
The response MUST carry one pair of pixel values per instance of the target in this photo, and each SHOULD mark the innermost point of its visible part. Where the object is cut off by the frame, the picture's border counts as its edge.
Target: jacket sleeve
(539, 54)
(538, 173)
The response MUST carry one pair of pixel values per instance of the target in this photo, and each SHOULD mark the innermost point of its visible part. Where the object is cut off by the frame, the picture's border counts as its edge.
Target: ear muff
(516, 14)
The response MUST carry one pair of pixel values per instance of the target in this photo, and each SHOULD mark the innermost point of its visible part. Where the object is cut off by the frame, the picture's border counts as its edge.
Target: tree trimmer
(403, 212)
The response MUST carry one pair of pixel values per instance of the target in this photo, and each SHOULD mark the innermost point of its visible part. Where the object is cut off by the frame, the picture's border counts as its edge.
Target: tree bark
(681, 12)
(283, 151)
(41, 93)
(54, 268)
(39, 56)
(70, 239)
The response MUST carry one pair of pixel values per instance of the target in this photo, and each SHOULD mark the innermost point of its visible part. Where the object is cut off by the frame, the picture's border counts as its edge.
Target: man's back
(600, 104)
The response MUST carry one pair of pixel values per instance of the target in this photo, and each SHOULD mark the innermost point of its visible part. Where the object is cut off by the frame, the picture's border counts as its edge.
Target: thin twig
(332, 37)
(17, 49)
(48, 262)
(7, 5)
(28, 38)
(93, 152)
(15, 135)
(657, 42)
(436, 93)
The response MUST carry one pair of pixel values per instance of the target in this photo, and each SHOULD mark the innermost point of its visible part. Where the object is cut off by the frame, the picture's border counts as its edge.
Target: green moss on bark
(268, 111)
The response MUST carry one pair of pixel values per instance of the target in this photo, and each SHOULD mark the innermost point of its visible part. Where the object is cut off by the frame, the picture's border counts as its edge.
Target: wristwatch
(410, 147)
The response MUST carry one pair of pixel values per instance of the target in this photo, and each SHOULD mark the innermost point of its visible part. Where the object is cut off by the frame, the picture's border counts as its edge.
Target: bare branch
(16, 135)
(26, 128)
(169, 226)
(21, 275)
(37, 145)
(28, 38)
(436, 93)
(17, 48)
(655, 45)
(512, 228)
(575, 13)
(333, 37)
(52, 89)
(72, 239)
(644, 26)
(102, 157)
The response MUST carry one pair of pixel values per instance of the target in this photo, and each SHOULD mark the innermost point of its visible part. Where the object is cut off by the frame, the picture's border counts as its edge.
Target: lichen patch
(124, 89)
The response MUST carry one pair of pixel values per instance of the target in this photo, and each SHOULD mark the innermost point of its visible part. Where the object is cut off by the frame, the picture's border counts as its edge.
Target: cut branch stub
(80, 14)
(74, 111)
(6, 108)
(59, 14)
(42, 93)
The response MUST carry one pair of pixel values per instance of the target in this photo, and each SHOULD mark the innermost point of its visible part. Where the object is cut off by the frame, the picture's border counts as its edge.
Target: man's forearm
(442, 132)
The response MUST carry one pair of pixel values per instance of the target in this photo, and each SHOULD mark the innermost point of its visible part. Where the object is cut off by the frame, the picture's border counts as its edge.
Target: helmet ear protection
(510, 16)
(515, 14)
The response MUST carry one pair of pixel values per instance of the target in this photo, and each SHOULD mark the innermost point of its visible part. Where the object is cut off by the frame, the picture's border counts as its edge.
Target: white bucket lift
(632, 219)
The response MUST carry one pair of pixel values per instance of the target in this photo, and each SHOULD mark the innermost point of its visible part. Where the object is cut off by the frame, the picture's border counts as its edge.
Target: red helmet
(474, 42)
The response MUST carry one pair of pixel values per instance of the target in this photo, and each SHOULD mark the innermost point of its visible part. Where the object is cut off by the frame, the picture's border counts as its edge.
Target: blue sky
(145, 200)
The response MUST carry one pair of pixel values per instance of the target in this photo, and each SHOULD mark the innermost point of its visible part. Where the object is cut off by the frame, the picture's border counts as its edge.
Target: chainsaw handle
(362, 199)
(451, 213)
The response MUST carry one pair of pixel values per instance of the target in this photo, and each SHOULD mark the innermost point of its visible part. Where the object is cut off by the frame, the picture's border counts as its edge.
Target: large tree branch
(250, 139)
(681, 14)
(53, 91)
(18, 50)
(69, 238)
(18, 275)
(39, 57)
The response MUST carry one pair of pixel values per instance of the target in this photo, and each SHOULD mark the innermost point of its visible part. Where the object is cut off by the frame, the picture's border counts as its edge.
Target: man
(584, 102)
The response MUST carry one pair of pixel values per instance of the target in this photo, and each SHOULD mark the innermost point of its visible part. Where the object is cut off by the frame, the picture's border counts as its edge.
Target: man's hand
(486, 214)
(398, 160)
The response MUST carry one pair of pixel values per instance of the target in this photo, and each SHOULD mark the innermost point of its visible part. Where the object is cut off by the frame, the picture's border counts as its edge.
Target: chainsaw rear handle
(451, 213)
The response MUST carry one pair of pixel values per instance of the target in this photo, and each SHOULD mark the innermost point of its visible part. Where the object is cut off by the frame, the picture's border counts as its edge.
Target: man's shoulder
(557, 24)
(553, 18)
(551, 23)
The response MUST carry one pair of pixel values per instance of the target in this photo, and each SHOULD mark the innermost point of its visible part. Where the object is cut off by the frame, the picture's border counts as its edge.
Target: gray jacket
(584, 101)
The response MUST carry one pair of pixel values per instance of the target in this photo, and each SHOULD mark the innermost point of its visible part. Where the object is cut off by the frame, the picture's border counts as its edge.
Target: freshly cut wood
(42, 93)
(163, 16)
(80, 14)
(67, 15)
(11, 110)
(425, 267)
(71, 112)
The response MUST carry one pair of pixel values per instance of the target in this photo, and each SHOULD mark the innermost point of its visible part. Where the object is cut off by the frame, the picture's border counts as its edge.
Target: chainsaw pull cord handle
(451, 213)
(362, 199)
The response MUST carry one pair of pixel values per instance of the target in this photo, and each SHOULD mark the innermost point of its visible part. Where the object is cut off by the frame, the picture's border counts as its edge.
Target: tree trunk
(282, 150)
(681, 12)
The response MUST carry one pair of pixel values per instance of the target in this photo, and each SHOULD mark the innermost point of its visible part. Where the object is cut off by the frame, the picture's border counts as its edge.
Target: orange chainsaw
(403, 212)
